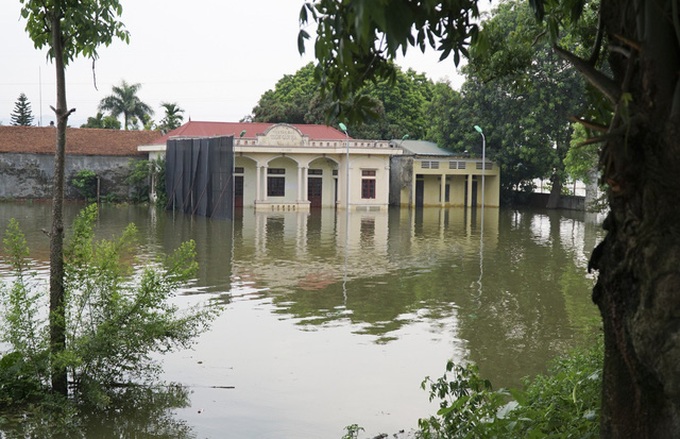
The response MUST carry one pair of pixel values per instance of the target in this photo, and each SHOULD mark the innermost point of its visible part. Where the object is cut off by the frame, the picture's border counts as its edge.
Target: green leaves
(562, 404)
(356, 40)
(85, 25)
(117, 313)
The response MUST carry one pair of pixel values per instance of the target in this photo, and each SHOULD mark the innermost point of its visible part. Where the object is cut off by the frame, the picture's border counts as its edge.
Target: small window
(368, 172)
(238, 170)
(315, 172)
(276, 186)
(368, 188)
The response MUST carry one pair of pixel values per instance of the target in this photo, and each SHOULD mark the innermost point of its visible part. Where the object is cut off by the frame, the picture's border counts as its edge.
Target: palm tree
(173, 117)
(125, 101)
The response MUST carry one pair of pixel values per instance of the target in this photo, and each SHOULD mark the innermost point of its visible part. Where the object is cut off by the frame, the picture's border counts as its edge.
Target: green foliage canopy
(101, 121)
(84, 26)
(394, 107)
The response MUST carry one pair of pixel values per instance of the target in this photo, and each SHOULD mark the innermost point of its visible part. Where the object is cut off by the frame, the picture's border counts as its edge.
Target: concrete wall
(568, 202)
(401, 180)
(31, 175)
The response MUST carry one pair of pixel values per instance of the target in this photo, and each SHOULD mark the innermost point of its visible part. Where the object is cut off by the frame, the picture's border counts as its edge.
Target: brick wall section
(27, 159)
(79, 141)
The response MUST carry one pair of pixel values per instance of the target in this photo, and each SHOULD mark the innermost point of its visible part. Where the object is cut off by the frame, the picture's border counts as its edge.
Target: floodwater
(331, 319)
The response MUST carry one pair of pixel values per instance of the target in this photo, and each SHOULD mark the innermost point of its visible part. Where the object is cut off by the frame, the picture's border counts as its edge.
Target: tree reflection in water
(132, 412)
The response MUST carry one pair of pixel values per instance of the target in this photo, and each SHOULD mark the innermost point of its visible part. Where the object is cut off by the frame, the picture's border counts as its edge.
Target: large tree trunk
(591, 190)
(561, 148)
(555, 192)
(638, 287)
(57, 321)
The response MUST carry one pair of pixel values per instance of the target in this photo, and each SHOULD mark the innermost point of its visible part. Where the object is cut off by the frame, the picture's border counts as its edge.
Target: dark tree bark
(555, 192)
(638, 288)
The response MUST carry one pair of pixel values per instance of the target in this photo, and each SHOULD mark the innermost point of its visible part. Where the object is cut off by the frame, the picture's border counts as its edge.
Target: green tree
(638, 282)
(68, 30)
(523, 94)
(442, 113)
(290, 100)
(401, 106)
(396, 106)
(101, 121)
(22, 114)
(173, 117)
(547, 92)
(125, 101)
(117, 315)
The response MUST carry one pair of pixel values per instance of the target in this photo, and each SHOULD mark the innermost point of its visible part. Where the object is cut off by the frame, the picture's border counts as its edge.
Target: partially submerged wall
(569, 202)
(30, 176)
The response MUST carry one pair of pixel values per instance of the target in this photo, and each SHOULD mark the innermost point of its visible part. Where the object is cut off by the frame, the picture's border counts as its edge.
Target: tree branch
(599, 80)
(590, 124)
(597, 45)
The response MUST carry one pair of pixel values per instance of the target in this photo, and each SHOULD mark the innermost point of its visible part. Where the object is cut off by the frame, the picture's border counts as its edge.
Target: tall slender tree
(22, 114)
(67, 29)
(125, 101)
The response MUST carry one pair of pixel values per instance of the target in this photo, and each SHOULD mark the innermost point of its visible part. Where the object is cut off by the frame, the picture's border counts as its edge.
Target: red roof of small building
(252, 129)
(79, 141)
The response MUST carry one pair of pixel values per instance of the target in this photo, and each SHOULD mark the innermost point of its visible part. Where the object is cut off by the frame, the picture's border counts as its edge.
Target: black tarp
(199, 176)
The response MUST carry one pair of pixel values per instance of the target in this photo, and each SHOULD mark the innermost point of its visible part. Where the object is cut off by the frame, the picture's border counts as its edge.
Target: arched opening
(322, 183)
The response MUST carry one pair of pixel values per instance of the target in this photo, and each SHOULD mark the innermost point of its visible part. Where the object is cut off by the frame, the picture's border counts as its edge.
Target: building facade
(298, 167)
(426, 175)
(284, 167)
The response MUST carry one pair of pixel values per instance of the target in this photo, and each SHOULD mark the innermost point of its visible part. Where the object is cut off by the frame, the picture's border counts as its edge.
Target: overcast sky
(214, 58)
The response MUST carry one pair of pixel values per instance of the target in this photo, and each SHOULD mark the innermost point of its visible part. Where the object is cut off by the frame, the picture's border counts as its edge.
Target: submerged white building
(284, 167)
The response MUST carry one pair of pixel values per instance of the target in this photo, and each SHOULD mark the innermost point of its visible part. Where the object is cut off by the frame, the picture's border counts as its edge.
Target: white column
(414, 179)
(258, 178)
(442, 190)
(300, 174)
(469, 191)
(305, 183)
(264, 182)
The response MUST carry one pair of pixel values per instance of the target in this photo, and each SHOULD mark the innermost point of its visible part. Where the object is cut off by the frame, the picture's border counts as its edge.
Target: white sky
(214, 58)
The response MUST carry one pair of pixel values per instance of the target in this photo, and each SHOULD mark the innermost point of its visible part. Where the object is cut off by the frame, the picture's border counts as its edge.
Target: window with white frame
(368, 183)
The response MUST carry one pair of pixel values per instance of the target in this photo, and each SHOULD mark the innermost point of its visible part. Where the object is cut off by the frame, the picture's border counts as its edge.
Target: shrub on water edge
(85, 181)
(117, 315)
(138, 179)
(565, 403)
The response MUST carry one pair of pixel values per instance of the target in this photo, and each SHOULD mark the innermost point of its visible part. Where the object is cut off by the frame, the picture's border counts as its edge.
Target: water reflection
(136, 412)
(363, 306)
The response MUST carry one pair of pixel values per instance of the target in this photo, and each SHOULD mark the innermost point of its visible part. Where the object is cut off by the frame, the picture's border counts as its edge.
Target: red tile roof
(252, 129)
(79, 141)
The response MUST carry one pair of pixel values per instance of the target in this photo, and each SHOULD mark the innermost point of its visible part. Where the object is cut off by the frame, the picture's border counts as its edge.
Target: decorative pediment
(282, 135)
